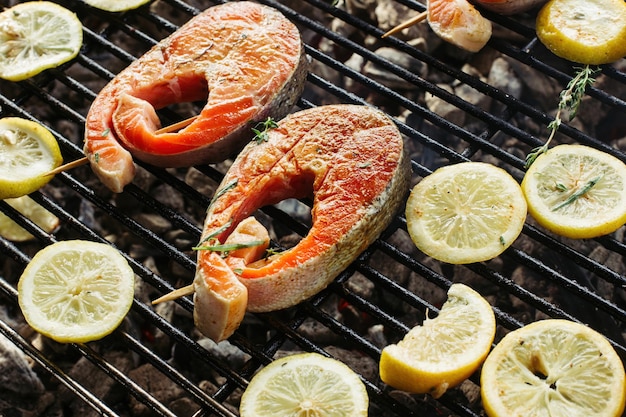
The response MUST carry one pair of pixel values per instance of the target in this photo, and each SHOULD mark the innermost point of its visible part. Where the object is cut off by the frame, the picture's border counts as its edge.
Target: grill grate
(59, 98)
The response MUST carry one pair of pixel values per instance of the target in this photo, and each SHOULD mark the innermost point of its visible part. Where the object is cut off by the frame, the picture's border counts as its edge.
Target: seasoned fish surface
(246, 60)
(350, 159)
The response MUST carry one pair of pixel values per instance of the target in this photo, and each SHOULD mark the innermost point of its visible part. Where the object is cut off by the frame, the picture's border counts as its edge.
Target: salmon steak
(349, 159)
(245, 59)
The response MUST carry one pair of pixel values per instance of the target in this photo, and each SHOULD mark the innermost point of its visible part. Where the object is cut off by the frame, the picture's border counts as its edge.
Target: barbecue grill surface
(389, 289)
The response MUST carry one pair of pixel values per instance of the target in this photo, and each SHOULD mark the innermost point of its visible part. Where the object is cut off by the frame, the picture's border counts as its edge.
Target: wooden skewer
(177, 293)
(415, 19)
(176, 126)
(69, 165)
(84, 160)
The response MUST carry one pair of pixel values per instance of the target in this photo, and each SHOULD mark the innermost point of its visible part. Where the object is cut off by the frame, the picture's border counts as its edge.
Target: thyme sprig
(229, 247)
(569, 100)
(261, 130)
(226, 188)
(578, 193)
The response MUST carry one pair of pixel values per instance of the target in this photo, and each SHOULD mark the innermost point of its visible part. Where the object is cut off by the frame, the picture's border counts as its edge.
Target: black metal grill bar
(176, 376)
(134, 389)
(421, 84)
(473, 82)
(47, 364)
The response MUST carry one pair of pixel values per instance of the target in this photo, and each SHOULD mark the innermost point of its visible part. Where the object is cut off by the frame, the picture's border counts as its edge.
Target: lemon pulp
(35, 36)
(577, 191)
(306, 384)
(587, 32)
(444, 351)
(553, 367)
(76, 291)
(27, 151)
(467, 212)
(30, 209)
(116, 5)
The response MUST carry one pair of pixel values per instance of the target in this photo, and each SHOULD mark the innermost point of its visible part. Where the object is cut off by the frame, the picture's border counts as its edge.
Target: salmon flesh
(245, 59)
(459, 23)
(350, 160)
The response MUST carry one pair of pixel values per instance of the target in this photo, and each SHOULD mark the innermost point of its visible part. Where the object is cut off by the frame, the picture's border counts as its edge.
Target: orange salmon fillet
(350, 159)
(246, 60)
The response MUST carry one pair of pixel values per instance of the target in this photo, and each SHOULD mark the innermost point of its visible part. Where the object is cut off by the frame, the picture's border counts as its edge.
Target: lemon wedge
(467, 212)
(305, 384)
(576, 191)
(30, 209)
(587, 32)
(27, 151)
(444, 351)
(555, 368)
(76, 291)
(35, 36)
(116, 5)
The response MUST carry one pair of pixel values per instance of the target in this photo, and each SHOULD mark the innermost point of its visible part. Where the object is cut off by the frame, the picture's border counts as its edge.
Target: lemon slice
(35, 36)
(576, 191)
(588, 32)
(444, 351)
(30, 209)
(554, 368)
(464, 213)
(116, 5)
(27, 151)
(76, 291)
(305, 384)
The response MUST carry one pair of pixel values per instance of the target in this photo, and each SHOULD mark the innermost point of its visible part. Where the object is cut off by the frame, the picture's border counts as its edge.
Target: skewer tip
(410, 22)
(67, 166)
(177, 293)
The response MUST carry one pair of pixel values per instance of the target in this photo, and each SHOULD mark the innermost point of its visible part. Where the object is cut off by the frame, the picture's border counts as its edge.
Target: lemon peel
(576, 191)
(35, 36)
(76, 291)
(553, 367)
(305, 384)
(465, 213)
(444, 351)
(27, 151)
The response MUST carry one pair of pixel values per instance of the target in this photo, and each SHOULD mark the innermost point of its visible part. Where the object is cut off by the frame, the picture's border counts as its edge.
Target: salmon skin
(245, 59)
(350, 160)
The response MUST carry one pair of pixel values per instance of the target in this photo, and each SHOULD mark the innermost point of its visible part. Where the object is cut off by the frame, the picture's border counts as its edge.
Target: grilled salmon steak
(349, 159)
(245, 59)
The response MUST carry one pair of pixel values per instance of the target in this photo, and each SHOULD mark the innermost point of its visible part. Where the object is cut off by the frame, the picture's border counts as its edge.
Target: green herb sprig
(229, 247)
(261, 130)
(569, 100)
(579, 193)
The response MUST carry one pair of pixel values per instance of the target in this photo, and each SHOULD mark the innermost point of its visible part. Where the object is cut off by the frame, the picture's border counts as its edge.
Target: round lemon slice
(35, 36)
(554, 368)
(464, 213)
(116, 5)
(76, 291)
(27, 151)
(576, 191)
(444, 351)
(588, 32)
(30, 209)
(305, 384)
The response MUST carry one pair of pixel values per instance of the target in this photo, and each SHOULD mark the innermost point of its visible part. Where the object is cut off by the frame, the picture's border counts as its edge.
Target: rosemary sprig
(579, 193)
(262, 128)
(569, 100)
